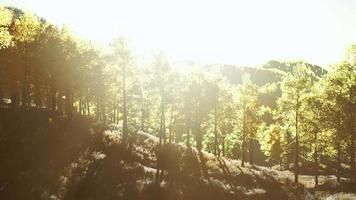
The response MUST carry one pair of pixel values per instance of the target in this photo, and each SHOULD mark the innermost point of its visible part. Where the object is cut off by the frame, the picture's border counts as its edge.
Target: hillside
(270, 72)
(48, 158)
(288, 67)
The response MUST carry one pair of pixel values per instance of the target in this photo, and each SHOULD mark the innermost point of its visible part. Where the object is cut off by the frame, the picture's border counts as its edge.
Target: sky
(244, 32)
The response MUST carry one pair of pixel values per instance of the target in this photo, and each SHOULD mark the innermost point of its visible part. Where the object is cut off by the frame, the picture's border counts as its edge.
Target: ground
(81, 159)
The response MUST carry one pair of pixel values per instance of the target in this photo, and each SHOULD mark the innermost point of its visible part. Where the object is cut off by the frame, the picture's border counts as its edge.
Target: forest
(282, 117)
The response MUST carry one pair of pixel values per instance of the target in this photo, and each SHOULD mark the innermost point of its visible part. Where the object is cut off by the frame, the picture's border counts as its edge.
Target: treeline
(310, 126)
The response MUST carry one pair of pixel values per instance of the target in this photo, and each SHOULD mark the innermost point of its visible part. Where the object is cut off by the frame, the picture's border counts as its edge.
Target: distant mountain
(259, 76)
(271, 72)
(288, 67)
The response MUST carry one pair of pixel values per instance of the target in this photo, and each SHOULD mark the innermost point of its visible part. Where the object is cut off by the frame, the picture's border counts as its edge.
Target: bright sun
(239, 32)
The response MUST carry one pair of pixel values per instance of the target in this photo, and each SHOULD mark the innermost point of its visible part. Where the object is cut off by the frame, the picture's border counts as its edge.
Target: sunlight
(169, 99)
(236, 32)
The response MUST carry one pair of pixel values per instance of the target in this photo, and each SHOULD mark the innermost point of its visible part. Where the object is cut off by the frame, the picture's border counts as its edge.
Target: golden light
(235, 32)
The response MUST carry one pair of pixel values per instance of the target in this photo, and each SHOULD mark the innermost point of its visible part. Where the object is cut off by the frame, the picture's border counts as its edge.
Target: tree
(313, 123)
(5, 22)
(272, 143)
(294, 88)
(123, 58)
(25, 31)
(226, 116)
(339, 93)
(249, 109)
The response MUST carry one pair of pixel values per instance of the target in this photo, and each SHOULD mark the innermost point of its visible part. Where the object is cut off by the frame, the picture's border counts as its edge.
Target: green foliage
(5, 21)
(291, 109)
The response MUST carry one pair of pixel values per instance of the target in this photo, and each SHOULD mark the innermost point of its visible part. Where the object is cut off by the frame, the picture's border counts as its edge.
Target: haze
(236, 32)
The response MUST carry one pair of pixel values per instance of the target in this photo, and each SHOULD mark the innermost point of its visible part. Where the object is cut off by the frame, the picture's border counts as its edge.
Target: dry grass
(87, 161)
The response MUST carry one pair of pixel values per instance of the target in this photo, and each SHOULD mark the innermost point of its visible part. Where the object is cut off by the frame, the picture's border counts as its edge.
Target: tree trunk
(48, 99)
(84, 106)
(124, 121)
(243, 136)
(338, 147)
(25, 80)
(162, 137)
(338, 162)
(288, 158)
(88, 107)
(38, 96)
(53, 100)
(351, 121)
(142, 113)
(296, 161)
(162, 131)
(114, 108)
(87, 102)
(215, 130)
(37, 93)
(171, 127)
(188, 134)
(223, 146)
(69, 105)
(118, 110)
(80, 103)
(97, 108)
(103, 113)
(251, 151)
(198, 138)
(352, 149)
(316, 159)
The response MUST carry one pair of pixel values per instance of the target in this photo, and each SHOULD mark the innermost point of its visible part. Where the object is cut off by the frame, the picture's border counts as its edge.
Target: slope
(43, 157)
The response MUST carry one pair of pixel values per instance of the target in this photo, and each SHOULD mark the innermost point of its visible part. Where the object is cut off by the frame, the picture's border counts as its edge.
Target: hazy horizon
(234, 32)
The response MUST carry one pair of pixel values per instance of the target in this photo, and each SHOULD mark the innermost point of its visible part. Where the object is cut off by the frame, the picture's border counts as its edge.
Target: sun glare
(239, 32)
(177, 99)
